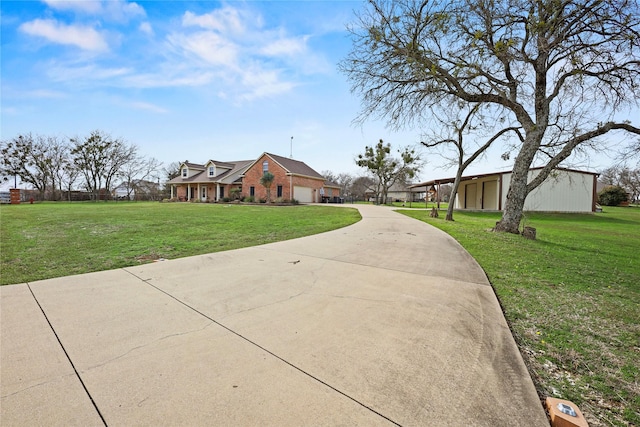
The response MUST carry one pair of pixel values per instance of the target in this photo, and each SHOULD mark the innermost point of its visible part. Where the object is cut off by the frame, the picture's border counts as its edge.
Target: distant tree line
(625, 178)
(352, 187)
(56, 167)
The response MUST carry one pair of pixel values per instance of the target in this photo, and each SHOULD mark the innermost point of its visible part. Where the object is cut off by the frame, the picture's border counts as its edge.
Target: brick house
(214, 181)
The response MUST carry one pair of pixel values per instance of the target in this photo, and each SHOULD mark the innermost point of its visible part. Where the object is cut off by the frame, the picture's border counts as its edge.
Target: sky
(193, 80)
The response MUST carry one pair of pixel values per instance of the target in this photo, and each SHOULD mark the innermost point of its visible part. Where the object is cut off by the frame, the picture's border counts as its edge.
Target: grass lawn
(48, 240)
(572, 299)
(414, 205)
(420, 205)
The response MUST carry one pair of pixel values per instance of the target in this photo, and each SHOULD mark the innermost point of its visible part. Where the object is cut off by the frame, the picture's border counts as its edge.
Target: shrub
(612, 196)
(263, 200)
(235, 194)
(250, 199)
(226, 199)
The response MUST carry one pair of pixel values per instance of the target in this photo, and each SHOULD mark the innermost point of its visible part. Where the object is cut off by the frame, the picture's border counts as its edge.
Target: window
(184, 172)
(252, 191)
(279, 191)
(265, 167)
(212, 171)
(221, 192)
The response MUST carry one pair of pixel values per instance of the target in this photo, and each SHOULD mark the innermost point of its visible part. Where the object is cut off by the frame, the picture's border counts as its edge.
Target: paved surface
(385, 322)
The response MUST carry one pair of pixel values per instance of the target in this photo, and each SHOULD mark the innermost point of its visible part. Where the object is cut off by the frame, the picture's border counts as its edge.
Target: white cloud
(285, 47)
(208, 46)
(225, 20)
(115, 10)
(263, 83)
(92, 73)
(246, 56)
(86, 6)
(86, 38)
(45, 93)
(146, 28)
(148, 107)
(229, 50)
(122, 11)
(177, 79)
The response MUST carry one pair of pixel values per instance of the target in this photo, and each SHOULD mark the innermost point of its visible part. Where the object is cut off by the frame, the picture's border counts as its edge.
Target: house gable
(215, 168)
(188, 170)
(292, 179)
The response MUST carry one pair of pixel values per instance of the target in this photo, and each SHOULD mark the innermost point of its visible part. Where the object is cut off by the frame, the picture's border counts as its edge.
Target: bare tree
(100, 158)
(461, 147)
(343, 179)
(624, 177)
(27, 156)
(69, 176)
(360, 186)
(136, 170)
(57, 152)
(329, 176)
(562, 70)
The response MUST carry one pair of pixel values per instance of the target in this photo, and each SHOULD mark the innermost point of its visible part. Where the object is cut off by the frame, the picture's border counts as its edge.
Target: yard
(48, 240)
(571, 297)
(572, 300)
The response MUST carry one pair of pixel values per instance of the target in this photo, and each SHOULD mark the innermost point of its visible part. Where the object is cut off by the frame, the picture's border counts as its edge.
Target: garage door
(303, 194)
(470, 196)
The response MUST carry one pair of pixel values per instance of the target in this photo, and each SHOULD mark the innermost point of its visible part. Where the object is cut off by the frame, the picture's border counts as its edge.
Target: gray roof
(331, 184)
(192, 165)
(295, 167)
(236, 166)
(468, 177)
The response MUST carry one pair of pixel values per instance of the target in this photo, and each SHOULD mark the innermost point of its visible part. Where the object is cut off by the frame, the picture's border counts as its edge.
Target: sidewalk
(386, 322)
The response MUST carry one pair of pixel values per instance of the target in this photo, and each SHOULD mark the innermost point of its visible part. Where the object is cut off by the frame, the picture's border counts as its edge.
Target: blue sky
(187, 80)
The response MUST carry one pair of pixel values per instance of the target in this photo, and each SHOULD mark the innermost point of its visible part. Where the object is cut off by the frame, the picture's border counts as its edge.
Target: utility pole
(291, 149)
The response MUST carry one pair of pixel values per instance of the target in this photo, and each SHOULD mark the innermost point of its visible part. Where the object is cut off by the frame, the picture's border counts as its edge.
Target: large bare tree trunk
(518, 190)
(512, 214)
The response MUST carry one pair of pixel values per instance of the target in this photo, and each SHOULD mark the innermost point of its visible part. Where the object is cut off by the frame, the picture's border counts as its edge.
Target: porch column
(172, 190)
(199, 197)
(217, 191)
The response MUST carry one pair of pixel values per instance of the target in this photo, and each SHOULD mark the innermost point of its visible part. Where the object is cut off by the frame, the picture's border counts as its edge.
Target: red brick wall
(331, 192)
(252, 178)
(181, 191)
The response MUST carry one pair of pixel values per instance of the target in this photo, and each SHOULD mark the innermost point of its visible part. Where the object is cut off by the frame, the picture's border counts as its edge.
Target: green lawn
(572, 299)
(48, 240)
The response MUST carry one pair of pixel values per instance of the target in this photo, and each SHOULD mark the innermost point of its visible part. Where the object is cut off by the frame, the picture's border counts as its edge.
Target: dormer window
(212, 171)
(185, 172)
(265, 167)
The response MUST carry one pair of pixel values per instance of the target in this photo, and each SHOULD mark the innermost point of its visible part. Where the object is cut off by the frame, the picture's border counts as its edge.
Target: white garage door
(303, 194)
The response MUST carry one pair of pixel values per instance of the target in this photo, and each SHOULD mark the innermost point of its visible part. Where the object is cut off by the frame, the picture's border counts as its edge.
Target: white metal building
(564, 190)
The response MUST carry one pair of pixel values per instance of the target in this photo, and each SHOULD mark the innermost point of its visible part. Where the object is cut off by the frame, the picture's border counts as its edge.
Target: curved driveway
(385, 322)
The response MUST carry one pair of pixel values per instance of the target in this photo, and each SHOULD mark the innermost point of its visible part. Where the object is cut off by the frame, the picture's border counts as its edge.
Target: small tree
(388, 170)
(461, 157)
(266, 180)
(612, 196)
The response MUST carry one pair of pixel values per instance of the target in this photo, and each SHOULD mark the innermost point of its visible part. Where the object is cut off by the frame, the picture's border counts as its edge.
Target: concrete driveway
(385, 322)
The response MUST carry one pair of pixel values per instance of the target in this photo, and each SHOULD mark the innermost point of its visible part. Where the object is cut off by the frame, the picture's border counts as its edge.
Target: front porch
(203, 192)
